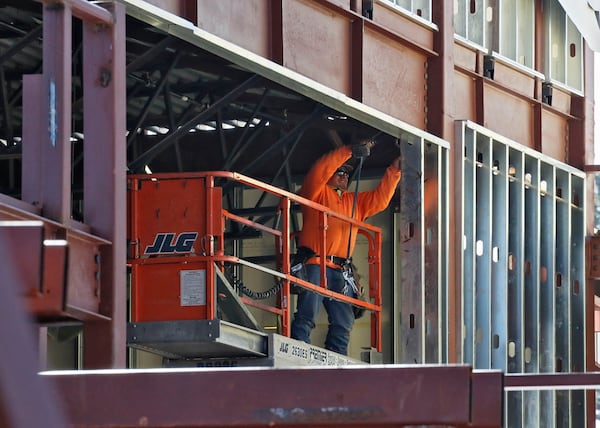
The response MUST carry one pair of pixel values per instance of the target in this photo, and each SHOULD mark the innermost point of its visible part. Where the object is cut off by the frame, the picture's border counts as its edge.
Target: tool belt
(299, 259)
(340, 261)
(302, 255)
(352, 287)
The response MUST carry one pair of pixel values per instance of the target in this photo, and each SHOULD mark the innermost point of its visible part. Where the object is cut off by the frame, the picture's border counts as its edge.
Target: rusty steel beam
(552, 381)
(94, 285)
(55, 145)
(48, 256)
(84, 10)
(26, 400)
(487, 407)
(33, 132)
(105, 206)
(374, 396)
(21, 242)
(40, 264)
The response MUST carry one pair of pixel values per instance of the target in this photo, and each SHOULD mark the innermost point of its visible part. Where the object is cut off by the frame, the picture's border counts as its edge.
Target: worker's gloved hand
(362, 150)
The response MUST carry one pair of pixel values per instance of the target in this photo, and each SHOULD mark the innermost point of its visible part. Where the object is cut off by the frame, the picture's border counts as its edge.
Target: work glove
(362, 150)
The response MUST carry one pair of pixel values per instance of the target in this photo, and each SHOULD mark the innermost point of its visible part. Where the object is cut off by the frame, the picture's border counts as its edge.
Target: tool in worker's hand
(399, 145)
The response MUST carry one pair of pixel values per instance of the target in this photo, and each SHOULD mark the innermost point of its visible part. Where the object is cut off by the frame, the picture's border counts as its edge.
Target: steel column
(26, 400)
(55, 149)
(33, 134)
(105, 181)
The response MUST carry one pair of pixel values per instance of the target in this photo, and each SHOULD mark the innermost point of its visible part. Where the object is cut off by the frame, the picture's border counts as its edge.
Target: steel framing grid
(523, 257)
(421, 253)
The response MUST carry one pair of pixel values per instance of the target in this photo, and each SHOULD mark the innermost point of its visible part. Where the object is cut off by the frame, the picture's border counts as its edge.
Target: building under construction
(151, 154)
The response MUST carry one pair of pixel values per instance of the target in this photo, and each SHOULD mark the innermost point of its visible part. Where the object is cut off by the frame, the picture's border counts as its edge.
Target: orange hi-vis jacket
(316, 189)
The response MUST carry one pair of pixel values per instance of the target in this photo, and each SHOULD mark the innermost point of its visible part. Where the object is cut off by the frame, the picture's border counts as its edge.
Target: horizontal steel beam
(359, 395)
(58, 263)
(84, 10)
(552, 381)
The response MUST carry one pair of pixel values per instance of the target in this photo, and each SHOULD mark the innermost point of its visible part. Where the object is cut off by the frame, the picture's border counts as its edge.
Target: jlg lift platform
(184, 304)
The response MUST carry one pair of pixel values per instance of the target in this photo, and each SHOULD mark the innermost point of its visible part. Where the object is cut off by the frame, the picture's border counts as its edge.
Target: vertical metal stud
(420, 248)
(515, 282)
(468, 214)
(576, 289)
(411, 249)
(499, 255)
(531, 280)
(431, 321)
(547, 309)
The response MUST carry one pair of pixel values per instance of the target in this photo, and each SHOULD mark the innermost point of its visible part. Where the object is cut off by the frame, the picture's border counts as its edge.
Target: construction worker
(327, 184)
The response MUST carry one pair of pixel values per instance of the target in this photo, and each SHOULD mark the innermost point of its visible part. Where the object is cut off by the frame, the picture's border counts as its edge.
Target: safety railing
(198, 236)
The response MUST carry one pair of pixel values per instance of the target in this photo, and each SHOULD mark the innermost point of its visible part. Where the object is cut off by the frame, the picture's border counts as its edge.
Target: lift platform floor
(218, 343)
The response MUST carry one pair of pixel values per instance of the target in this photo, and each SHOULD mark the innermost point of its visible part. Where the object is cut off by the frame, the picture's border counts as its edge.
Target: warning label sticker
(193, 287)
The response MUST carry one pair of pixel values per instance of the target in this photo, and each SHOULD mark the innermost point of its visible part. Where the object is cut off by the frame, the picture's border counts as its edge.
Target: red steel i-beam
(97, 267)
(360, 396)
(84, 10)
(26, 399)
(105, 181)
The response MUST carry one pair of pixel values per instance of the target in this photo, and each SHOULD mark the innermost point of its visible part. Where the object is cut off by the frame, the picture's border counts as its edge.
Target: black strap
(359, 169)
(337, 260)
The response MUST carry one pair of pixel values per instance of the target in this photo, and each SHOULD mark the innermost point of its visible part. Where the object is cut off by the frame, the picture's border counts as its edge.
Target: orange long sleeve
(316, 189)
